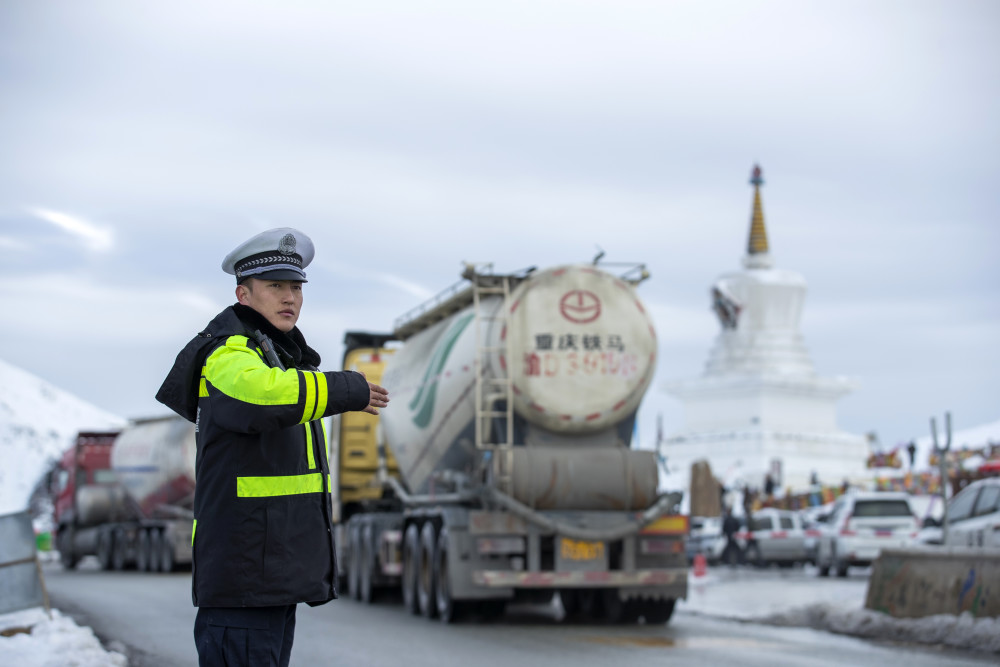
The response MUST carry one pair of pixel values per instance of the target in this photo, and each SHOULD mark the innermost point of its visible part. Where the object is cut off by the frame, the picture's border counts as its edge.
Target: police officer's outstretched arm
(247, 396)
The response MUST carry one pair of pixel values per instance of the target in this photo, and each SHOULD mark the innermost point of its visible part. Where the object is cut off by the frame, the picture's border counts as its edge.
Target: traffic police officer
(263, 535)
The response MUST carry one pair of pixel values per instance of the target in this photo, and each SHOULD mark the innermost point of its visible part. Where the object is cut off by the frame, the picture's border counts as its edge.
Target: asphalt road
(149, 617)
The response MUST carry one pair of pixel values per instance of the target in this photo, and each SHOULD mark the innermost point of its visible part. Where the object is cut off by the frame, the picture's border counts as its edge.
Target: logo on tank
(422, 405)
(580, 306)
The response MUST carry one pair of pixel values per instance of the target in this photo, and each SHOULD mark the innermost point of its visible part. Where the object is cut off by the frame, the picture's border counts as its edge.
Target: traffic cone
(700, 565)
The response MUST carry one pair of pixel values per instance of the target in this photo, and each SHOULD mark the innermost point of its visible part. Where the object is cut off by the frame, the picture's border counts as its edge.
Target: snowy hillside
(37, 423)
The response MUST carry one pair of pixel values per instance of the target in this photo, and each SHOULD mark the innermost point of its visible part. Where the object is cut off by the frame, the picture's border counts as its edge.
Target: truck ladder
(491, 389)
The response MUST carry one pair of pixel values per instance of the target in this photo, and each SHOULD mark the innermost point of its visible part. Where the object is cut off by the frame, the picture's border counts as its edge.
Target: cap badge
(287, 244)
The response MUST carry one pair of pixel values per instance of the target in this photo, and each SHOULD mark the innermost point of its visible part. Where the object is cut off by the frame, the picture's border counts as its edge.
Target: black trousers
(244, 636)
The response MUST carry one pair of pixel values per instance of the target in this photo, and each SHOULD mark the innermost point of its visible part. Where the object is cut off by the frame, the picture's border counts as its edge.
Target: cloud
(406, 285)
(12, 244)
(100, 239)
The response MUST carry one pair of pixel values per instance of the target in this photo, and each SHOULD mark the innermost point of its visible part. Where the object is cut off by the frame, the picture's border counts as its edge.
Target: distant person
(263, 536)
(768, 485)
(731, 553)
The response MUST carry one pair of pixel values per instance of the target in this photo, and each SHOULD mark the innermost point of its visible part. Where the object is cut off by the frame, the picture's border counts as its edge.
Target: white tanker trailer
(127, 497)
(502, 468)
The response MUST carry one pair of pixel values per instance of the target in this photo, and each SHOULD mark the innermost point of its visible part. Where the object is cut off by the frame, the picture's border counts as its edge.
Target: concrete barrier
(924, 581)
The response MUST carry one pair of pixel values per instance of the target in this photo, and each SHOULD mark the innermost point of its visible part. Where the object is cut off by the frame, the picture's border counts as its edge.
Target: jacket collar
(292, 344)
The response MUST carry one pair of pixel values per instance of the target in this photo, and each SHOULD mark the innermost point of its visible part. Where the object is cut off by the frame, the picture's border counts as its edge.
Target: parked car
(974, 515)
(775, 536)
(705, 537)
(861, 525)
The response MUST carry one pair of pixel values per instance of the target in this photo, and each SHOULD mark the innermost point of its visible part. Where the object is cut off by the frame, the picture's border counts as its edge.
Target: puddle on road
(694, 643)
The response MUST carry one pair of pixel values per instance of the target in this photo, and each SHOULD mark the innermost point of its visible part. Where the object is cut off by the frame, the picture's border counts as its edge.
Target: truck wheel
(411, 565)
(658, 612)
(582, 604)
(67, 555)
(448, 609)
(366, 566)
(753, 556)
(143, 560)
(118, 550)
(167, 561)
(104, 550)
(612, 607)
(425, 574)
(570, 604)
(155, 546)
(353, 574)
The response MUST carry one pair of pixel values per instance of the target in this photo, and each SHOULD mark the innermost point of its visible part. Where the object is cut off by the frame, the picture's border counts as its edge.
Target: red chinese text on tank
(580, 306)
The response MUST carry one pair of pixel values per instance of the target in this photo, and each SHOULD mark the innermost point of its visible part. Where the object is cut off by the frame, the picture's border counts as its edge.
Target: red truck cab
(87, 462)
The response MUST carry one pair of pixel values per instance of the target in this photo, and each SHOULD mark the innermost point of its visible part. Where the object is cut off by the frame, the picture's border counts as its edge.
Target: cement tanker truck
(502, 468)
(127, 496)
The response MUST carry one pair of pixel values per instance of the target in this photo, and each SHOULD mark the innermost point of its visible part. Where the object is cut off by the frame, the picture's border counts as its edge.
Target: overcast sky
(141, 142)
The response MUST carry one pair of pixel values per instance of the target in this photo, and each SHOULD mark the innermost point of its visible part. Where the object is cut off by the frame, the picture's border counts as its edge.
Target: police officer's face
(280, 301)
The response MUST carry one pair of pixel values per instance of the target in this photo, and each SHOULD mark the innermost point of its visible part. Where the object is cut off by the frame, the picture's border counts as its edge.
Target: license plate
(580, 550)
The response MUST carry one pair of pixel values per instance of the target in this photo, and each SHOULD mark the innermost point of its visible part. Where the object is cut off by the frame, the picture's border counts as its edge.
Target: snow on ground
(965, 631)
(832, 605)
(35, 640)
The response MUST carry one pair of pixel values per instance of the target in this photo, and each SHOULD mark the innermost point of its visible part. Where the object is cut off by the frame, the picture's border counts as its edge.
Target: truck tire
(168, 561)
(118, 550)
(155, 545)
(570, 603)
(448, 609)
(581, 604)
(658, 612)
(425, 574)
(67, 554)
(143, 557)
(353, 566)
(411, 566)
(366, 567)
(612, 606)
(104, 549)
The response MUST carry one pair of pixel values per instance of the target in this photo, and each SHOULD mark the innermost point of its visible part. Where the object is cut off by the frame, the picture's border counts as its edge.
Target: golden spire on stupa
(757, 245)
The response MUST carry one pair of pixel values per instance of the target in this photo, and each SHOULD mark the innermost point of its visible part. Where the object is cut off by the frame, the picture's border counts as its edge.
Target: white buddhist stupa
(760, 408)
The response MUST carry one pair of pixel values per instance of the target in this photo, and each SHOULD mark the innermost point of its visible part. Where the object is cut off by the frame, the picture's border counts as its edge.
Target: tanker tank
(154, 461)
(578, 349)
(127, 497)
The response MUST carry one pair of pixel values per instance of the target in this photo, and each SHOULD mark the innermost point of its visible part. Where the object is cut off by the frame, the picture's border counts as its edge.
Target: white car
(775, 536)
(974, 515)
(861, 525)
(705, 537)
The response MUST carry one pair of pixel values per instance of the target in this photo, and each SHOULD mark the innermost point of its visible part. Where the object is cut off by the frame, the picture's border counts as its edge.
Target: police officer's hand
(378, 397)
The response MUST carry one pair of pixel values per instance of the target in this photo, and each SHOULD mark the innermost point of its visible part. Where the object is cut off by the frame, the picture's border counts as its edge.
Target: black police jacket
(263, 533)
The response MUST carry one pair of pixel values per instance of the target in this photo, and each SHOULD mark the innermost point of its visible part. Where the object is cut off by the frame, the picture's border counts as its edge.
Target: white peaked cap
(277, 254)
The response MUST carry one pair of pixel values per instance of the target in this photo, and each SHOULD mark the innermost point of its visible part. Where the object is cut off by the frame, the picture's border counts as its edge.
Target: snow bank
(37, 641)
(965, 631)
